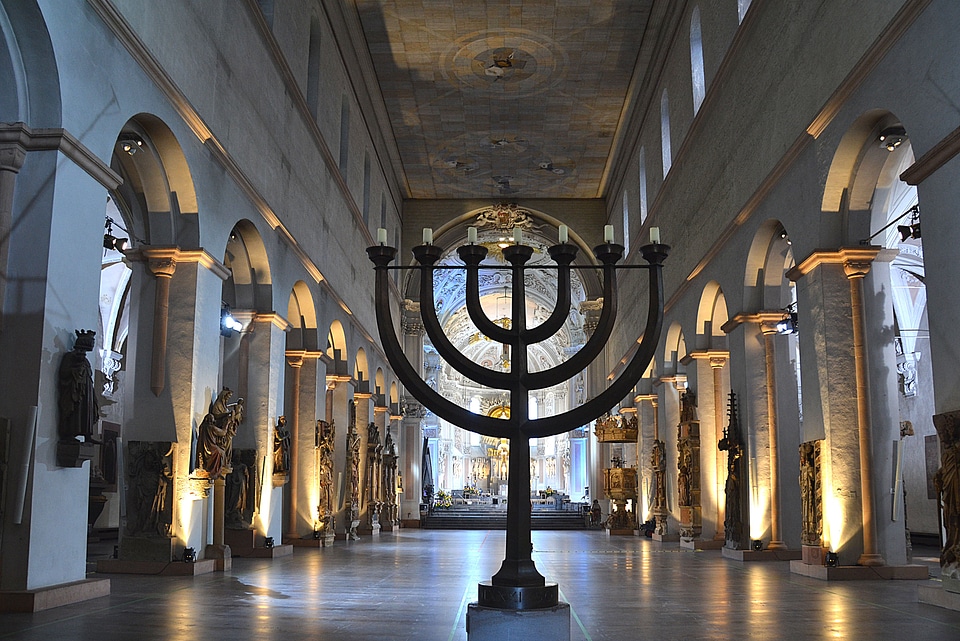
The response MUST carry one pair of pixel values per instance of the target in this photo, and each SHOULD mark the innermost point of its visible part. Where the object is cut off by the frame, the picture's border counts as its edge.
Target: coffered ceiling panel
(504, 98)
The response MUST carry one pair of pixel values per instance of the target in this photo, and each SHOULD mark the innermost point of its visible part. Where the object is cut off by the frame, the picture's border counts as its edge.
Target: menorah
(518, 585)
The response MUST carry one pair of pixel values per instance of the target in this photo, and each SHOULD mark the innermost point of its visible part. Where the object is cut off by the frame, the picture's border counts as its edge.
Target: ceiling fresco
(504, 98)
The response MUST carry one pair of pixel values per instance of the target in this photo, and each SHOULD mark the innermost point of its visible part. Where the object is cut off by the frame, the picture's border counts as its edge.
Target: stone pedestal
(670, 537)
(53, 596)
(492, 624)
(153, 549)
(170, 568)
(761, 555)
(72, 453)
(860, 572)
(700, 544)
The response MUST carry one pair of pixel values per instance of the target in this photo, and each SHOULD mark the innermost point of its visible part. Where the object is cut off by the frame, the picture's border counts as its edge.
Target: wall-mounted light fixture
(109, 240)
(228, 324)
(892, 137)
(913, 229)
(130, 143)
(788, 325)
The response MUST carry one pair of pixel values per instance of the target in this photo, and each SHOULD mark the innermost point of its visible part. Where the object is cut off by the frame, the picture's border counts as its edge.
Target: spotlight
(268, 542)
(788, 325)
(757, 545)
(892, 137)
(189, 555)
(316, 534)
(833, 559)
(130, 143)
(110, 241)
(228, 324)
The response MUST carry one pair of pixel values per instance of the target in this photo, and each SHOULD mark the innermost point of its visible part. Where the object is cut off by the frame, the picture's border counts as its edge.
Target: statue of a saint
(79, 411)
(215, 437)
(947, 482)
(683, 478)
(151, 478)
(281, 447)
(235, 498)
(688, 406)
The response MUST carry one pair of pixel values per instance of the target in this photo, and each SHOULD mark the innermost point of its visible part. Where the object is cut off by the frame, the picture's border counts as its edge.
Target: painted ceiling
(504, 98)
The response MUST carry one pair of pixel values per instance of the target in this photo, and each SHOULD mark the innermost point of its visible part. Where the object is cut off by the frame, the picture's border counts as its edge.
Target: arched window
(696, 60)
(626, 224)
(742, 6)
(643, 185)
(665, 132)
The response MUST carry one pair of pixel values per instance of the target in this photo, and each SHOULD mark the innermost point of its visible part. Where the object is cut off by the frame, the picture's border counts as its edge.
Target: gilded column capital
(295, 358)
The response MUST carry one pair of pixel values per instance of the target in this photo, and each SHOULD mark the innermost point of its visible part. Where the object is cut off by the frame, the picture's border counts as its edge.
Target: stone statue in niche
(78, 407)
(947, 482)
(324, 444)
(240, 490)
(215, 435)
(810, 497)
(281, 447)
(150, 498)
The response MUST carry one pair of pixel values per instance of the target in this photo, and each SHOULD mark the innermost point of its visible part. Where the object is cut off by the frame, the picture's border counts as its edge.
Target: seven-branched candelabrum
(518, 584)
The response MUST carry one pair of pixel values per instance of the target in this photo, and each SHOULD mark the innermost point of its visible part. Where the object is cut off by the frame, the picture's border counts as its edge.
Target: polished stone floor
(416, 584)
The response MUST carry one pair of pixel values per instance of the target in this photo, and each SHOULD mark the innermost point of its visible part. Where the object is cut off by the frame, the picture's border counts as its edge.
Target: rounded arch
(675, 348)
(769, 258)
(29, 73)
(378, 381)
(712, 312)
(336, 342)
(394, 393)
(249, 285)
(157, 183)
(361, 370)
(302, 316)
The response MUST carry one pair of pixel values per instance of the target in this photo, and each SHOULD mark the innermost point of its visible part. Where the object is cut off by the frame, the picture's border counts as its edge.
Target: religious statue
(684, 464)
(688, 406)
(151, 480)
(215, 437)
(947, 482)
(281, 447)
(389, 479)
(733, 505)
(353, 465)
(239, 486)
(324, 444)
(809, 495)
(78, 407)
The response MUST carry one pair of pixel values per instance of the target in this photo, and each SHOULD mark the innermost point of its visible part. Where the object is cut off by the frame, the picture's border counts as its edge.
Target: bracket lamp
(228, 324)
(130, 143)
(892, 137)
(788, 325)
(109, 240)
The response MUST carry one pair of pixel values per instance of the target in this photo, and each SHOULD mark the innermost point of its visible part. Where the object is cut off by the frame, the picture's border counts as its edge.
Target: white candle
(563, 233)
(608, 233)
(471, 235)
(381, 236)
(427, 236)
(655, 235)
(517, 235)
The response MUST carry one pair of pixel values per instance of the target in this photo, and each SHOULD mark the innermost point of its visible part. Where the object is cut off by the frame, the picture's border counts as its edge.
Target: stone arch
(361, 369)
(769, 258)
(675, 348)
(394, 393)
(336, 348)
(158, 187)
(249, 285)
(302, 316)
(28, 70)
(711, 315)
(378, 381)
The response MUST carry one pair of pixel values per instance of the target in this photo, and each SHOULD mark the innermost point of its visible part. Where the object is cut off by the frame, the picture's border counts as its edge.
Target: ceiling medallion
(519, 61)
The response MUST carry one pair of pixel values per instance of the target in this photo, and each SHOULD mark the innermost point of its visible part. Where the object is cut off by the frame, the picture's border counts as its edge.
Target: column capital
(764, 318)
(854, 256)
(163, 259)
(717, 357)
(295, 358)
(679, 381)
(12, 156)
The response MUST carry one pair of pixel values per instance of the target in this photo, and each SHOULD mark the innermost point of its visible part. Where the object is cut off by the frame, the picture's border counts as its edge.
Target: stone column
(769, 353)
(829, 283)
(413, 414)
(162, 263)
(295, 362)
(855, 269)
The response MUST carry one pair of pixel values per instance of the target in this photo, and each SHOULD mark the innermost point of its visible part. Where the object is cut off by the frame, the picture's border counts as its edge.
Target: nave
(415, 585)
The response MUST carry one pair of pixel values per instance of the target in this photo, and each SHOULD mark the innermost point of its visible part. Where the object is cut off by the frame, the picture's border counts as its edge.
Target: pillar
(295, 363)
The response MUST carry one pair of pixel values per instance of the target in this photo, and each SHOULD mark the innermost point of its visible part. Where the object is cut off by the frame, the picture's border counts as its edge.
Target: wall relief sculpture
(150, 495)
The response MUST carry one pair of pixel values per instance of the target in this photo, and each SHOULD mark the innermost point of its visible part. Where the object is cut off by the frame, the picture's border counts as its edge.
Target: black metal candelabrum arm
(427, 256)
(654, 254)
(382, 256)
(471, 255)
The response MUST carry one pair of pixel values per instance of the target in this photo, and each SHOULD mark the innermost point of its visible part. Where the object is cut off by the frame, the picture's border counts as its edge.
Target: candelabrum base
(509, 597)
